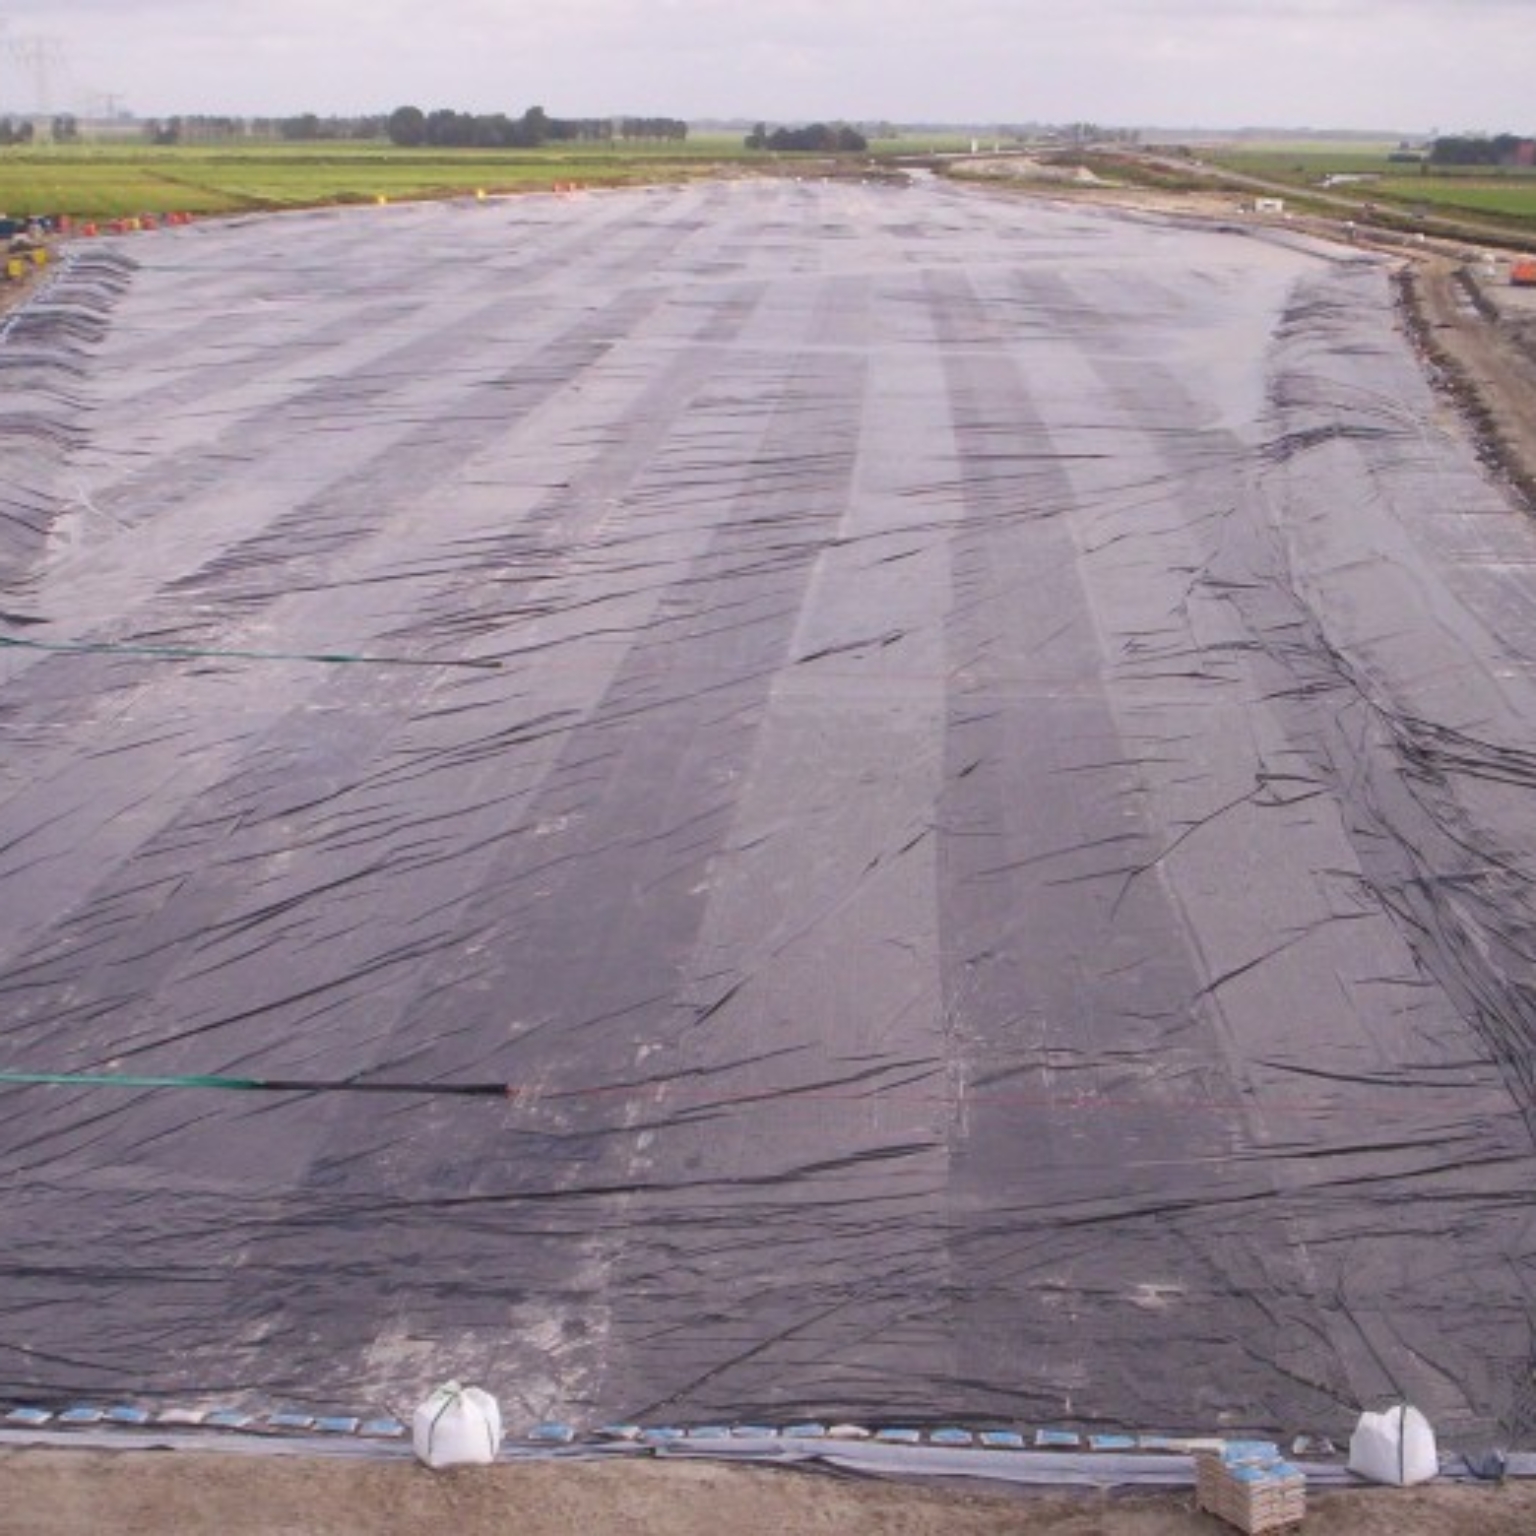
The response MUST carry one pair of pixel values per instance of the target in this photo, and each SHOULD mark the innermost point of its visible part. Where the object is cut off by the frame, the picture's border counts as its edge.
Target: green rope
(245, 1084)
(123, 1080)
(193, 653)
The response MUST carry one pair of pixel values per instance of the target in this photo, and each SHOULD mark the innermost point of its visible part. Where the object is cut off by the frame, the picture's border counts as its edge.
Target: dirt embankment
(1481, 346)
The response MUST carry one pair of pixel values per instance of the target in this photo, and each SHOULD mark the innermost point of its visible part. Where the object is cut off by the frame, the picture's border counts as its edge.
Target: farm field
(1307, 160)
(109, 182)
(1509, 197)
(1505, 195)
(112, 181)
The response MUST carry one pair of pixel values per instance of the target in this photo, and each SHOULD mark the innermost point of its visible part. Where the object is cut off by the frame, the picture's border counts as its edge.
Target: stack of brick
(1249, 1485)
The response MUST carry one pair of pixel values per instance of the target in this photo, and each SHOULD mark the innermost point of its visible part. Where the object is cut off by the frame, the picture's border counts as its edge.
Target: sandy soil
(72, 1493)
(1484, 355)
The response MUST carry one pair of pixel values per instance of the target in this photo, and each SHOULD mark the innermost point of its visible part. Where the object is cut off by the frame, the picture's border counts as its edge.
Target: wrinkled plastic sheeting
(969, 761)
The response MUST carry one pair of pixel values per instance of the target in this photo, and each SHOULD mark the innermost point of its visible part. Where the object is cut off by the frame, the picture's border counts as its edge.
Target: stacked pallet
(1247, 1484)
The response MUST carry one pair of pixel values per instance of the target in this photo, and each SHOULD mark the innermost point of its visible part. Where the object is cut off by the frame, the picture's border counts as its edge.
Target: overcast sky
(1410, 65)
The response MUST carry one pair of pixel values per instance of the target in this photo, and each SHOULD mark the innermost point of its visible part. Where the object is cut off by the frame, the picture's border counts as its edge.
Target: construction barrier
(127, 224)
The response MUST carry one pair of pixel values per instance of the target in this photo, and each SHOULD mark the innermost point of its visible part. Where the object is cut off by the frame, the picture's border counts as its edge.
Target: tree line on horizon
(820, 138)
(407, 126)
(64, 129)
(1502, 149)
(218, 128)
(410, 127)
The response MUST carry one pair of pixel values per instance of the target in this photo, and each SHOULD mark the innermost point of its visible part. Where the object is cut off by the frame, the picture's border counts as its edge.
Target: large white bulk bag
(1396, 1447)
(457, 1427)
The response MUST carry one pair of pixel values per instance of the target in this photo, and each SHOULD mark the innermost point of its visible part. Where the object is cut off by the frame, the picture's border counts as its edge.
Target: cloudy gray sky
(1411, 65)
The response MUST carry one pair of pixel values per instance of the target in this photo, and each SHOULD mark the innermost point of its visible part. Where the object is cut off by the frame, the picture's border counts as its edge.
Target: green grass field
(1508, 197)
(1505, 195)
(102, 182)
(1308, 160)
